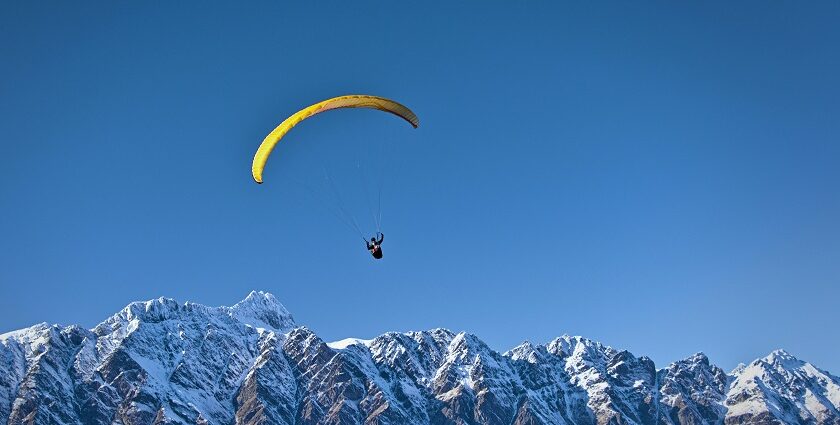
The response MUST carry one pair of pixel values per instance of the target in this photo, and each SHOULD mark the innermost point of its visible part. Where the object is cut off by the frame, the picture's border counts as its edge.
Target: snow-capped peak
(577, 346)
(260, 299)
(526, 351)
(25, 333)
(698, 357)
(262, 310)
(783, 358)
(738, 369)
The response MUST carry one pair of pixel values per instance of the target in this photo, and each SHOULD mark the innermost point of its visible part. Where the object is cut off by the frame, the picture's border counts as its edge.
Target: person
(375, 246)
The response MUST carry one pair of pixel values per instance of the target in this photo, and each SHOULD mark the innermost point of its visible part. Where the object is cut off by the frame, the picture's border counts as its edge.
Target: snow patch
(346, 342)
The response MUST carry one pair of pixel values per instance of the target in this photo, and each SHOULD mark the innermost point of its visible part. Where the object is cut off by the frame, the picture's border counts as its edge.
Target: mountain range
(164, 362)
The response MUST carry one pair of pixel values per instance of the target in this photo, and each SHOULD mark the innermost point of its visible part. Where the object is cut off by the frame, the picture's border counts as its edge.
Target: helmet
(373, 239)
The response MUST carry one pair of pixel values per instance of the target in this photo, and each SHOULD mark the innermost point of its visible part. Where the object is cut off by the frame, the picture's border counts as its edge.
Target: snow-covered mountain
(161, 362)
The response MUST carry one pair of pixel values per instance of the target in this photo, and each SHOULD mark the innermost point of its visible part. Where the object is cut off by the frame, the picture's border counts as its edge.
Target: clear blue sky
(657, 176)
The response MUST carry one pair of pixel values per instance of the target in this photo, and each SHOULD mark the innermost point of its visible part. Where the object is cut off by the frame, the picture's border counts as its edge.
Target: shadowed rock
(162, 362)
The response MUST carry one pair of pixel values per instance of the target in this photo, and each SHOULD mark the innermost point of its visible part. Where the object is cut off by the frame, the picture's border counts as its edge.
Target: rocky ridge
(162, 362)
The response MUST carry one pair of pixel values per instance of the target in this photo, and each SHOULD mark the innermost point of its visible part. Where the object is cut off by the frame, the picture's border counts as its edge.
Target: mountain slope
(161, 362)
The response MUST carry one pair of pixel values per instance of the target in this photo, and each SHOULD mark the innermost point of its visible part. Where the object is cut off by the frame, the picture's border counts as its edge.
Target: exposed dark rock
(161, 362)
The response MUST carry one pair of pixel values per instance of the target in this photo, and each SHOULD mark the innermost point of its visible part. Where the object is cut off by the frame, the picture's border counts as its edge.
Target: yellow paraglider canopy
(352, 101)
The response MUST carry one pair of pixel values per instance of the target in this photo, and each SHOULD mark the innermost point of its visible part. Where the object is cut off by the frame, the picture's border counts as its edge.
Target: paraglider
(351, 101)
(375, 245)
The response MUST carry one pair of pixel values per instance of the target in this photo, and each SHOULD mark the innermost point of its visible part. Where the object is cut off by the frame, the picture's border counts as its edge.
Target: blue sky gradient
(657, 176)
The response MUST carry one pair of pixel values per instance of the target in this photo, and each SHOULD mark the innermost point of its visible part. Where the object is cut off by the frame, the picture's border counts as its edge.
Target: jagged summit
(262, 310)
(567, 345)
(783, 387)
(782, 358)
(699, 357)
(258, 310)
(738, 369)
(165, 362)
(259, 300)
(20, 333)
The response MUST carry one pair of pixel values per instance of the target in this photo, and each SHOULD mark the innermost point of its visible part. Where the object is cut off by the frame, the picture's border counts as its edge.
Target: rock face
(161, 362)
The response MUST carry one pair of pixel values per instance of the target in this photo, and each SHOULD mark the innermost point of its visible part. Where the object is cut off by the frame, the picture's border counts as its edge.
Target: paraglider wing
(352, 101)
